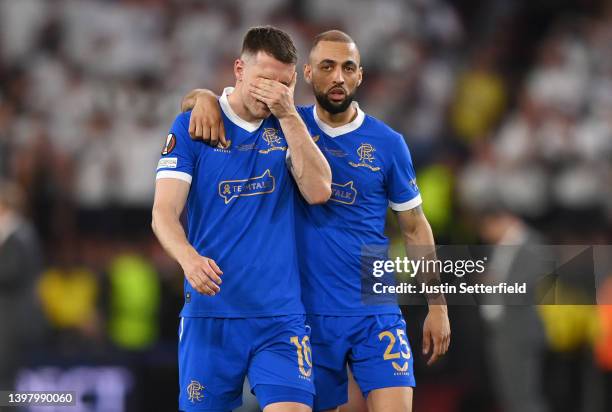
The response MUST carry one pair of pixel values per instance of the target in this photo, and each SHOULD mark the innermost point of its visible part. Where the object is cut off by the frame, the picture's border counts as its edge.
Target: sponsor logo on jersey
(167, 163)
(231, 189)
(366, 157)
(221, 149)
(345, 193)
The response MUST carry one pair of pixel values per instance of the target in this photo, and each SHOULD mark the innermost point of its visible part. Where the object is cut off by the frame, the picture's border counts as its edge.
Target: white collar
(234, 118)
(340, 130)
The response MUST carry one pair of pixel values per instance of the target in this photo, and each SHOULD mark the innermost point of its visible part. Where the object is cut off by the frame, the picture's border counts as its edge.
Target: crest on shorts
(169, 145)
(194, 391)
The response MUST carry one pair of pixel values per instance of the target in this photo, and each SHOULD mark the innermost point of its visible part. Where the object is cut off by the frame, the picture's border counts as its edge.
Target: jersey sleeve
(178, 154)
(402, 190)
(303, 112)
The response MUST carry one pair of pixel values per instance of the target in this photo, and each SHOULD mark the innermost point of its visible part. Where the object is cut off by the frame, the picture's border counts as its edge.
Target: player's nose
(338, 76)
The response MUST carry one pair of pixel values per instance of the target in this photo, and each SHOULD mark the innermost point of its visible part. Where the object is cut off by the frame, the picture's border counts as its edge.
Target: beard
(333, 107)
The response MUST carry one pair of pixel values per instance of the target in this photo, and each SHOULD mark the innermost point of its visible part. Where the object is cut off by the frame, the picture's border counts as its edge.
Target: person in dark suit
(516, 343)
(20, 267)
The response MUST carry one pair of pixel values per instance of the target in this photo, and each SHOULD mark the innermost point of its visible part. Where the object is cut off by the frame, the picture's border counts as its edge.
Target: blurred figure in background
(134, 298)
(69, 291)
(480, 96)
(20, 267)
(516, 344)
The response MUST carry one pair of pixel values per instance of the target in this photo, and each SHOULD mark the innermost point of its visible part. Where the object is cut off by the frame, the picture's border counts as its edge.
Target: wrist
(290, 115)
(185, 255)
(439, 306)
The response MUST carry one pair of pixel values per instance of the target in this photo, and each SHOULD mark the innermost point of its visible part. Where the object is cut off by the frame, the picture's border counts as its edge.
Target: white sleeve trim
(411, 204)
(173, 174)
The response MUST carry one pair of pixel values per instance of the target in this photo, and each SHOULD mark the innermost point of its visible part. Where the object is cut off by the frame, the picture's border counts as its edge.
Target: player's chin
(261, 111)
(337, 106)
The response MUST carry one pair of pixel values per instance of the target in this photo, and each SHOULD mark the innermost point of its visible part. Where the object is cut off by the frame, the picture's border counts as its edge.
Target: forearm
(170, 233)
(308, 165)
(420, 244)
(420, 235)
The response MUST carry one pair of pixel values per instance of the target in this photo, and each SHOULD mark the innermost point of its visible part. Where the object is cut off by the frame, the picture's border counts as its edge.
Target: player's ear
(360, 76)
(308, 73)
(239, 69)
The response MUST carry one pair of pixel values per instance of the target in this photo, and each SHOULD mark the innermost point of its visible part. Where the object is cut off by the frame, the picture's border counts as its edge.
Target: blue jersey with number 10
(371, 170)
(241, 213)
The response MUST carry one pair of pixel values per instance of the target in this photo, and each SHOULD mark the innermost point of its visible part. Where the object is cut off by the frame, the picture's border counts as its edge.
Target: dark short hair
(333, 36)
(271, 40)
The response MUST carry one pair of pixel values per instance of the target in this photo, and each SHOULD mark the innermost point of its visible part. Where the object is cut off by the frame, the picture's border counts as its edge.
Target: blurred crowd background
(506, 106)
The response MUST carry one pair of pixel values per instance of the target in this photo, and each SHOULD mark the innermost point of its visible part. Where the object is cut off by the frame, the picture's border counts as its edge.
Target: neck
(239, 107)
(337, 119)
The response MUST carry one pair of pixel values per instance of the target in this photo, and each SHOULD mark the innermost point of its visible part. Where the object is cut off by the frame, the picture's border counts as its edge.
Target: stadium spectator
(20, 267)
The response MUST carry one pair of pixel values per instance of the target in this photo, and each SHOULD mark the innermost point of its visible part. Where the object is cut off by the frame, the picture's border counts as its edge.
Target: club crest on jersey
(366, 156)
(194, 391)
(169, 145)
(271, 137)
(345, 193)
(231, 189)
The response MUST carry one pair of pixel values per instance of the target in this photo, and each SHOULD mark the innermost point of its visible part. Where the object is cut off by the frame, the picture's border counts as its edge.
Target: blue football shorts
(375, 347)
(216, 354)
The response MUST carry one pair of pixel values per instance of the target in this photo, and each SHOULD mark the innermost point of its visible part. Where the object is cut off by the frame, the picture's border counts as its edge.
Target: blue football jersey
(371, 170)
(241, 213)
